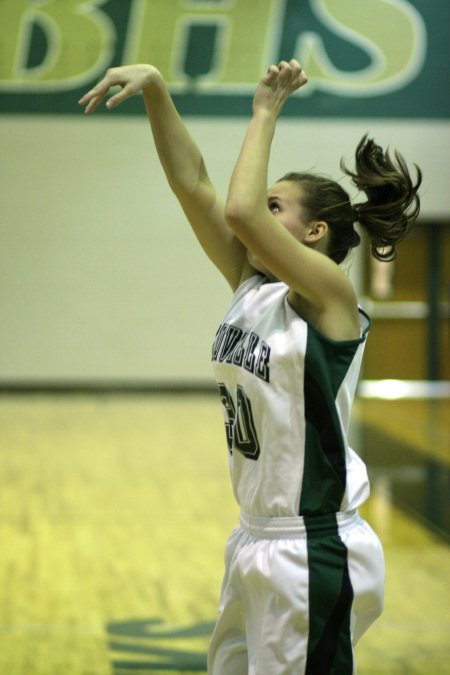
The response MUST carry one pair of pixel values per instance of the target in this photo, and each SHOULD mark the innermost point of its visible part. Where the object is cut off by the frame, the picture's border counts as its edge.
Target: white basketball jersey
(287, 392)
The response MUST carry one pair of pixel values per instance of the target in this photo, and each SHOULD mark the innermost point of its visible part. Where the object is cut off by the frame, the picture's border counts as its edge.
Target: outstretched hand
(277, 85)
(132, 79)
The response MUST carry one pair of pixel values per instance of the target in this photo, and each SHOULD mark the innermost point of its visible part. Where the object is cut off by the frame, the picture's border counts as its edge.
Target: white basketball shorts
(297, 595)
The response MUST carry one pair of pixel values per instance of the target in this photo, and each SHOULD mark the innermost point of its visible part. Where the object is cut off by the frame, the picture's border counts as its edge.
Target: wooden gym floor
(114, 512)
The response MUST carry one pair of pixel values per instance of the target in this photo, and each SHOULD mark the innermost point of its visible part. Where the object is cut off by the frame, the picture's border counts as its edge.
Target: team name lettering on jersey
(241, 348)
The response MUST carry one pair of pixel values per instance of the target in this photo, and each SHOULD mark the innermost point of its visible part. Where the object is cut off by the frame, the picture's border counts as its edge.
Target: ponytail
(392, 204)
(389, 213)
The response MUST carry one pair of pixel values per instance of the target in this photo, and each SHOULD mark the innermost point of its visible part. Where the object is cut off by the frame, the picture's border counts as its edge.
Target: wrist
(265, 119)
(151, 77)
(265, 115)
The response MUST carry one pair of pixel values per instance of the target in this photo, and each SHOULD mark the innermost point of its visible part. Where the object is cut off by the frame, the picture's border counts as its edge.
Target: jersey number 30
(239, 426)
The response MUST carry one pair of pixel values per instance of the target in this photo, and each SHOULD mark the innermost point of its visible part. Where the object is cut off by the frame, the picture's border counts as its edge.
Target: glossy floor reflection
(114, 511)
(411, 466)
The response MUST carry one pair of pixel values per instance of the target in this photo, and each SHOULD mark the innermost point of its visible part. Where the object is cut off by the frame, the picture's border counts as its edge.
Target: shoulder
(337, 318)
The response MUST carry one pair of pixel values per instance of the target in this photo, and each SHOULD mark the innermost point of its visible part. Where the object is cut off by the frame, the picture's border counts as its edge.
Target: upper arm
(205, 210)
(310, 274)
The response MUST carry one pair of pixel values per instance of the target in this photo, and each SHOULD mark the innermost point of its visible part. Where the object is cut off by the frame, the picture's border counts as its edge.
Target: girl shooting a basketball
(304, 573)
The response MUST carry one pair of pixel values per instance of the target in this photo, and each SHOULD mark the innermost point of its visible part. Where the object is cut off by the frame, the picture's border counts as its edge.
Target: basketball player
(304, 573)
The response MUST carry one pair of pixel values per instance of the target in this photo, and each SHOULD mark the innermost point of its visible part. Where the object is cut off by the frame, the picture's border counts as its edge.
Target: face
(284, 201)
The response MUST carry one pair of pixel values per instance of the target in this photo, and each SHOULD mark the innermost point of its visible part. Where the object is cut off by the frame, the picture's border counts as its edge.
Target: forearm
(179, 155)
(248, 187)
(247, 192)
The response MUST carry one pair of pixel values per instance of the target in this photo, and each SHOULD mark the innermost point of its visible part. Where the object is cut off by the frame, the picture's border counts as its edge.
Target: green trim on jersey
(324, 475)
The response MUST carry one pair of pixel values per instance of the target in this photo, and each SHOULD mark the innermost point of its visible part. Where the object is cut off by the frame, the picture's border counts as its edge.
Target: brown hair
(387, 215)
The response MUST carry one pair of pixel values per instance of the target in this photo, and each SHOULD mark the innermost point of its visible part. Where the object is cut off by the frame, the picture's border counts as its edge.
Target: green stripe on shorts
(330, 601)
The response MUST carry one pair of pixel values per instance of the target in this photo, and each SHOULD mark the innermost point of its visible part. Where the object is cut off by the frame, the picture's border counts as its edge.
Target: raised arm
(290, 251)
(181, 160)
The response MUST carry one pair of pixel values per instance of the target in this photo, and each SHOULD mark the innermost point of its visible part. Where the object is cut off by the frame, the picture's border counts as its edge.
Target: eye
(273, 206)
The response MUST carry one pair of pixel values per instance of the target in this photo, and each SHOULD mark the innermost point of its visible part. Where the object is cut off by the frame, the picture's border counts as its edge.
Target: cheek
(294, 227)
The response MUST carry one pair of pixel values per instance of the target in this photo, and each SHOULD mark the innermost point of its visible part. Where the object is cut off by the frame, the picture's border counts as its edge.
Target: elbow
(234, 218)
(239, 216)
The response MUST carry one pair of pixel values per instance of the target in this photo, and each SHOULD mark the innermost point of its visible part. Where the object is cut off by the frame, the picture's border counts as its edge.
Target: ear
(317, 230)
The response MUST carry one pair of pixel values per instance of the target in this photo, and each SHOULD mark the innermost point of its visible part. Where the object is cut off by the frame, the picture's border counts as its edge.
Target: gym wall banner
(364, 58)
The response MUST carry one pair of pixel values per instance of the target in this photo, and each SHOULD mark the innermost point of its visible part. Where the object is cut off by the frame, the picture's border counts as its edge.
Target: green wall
(365, 58)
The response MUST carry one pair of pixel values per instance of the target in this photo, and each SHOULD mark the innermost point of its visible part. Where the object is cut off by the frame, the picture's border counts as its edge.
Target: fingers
(300, 76)
(95, 96)
(117, 99)
(271, 76)
(92, 101)
(287, 73)
(292, 70)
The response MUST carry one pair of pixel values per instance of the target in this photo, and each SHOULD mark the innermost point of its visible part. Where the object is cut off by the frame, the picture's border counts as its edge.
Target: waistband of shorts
(282, 527)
